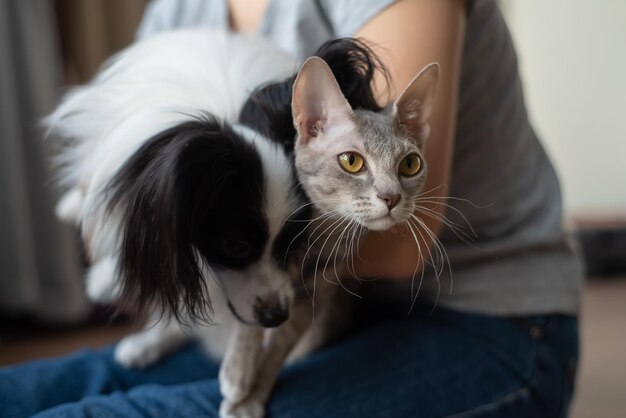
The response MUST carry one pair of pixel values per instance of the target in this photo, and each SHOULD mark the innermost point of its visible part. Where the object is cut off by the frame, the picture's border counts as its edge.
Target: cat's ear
(317, 104)
(413, 107)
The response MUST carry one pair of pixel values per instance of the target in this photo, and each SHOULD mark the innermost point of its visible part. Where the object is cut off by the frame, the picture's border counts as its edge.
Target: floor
(601, 391)
(16, 347)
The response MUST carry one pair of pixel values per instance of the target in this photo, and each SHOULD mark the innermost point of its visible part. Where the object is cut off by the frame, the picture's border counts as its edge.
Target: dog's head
(206, 201)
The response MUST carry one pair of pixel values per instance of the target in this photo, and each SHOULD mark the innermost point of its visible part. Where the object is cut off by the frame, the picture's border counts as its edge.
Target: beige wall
(573, 62)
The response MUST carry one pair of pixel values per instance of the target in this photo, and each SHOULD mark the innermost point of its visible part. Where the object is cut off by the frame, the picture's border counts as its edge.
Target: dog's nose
(270, 315)
(391, 199)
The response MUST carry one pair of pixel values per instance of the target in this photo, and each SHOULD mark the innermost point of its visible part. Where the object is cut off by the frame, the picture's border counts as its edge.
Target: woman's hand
(409, 35)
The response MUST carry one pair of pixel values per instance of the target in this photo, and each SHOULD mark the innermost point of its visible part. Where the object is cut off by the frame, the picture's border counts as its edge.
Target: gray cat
(362, 170)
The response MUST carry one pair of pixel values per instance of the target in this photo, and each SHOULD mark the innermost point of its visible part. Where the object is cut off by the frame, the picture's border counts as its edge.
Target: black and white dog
(182, 209)
(184, 187)
(169, 187)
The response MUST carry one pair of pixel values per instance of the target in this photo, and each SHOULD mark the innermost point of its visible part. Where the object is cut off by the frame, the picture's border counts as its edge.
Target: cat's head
(363, 165)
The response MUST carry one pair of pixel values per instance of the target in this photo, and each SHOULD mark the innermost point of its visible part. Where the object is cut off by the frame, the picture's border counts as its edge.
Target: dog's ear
(165, 195)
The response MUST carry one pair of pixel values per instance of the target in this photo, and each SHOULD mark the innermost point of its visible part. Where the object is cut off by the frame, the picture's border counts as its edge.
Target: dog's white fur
(149, 87)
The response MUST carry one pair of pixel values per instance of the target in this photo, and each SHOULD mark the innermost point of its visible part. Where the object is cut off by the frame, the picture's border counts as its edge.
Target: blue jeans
(439, 365)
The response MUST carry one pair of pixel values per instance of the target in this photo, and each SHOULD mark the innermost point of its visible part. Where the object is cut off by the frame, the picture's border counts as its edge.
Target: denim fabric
(447, 364)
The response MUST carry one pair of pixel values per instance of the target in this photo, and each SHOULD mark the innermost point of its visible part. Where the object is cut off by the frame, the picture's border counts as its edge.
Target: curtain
(39, 258)
(45, 45)
(91, 31)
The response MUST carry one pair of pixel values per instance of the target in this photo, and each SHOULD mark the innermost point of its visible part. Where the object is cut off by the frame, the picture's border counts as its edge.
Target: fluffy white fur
(142, 91)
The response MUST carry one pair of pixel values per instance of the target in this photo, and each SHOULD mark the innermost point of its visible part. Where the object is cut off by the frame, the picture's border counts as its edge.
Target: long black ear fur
(161, 195)
(353, 63)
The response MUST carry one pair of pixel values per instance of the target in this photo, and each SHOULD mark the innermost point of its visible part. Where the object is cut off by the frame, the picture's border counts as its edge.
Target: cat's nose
(391, 199)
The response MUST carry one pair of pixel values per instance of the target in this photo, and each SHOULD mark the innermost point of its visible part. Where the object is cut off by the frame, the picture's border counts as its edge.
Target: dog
(184, 211)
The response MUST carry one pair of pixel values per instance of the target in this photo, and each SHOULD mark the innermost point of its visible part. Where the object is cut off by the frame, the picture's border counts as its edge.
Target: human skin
(407, 35)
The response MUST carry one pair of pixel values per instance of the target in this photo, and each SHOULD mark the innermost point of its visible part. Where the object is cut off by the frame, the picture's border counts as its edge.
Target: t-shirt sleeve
(348, 16)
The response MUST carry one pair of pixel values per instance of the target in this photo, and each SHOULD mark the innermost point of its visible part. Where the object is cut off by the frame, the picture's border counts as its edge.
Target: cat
(362, 167)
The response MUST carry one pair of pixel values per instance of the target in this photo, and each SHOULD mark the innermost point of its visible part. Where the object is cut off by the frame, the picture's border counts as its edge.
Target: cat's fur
(143, 118)
(327, 126)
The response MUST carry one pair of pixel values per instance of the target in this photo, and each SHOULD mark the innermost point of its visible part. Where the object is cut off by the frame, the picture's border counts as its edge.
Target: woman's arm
(412, 34)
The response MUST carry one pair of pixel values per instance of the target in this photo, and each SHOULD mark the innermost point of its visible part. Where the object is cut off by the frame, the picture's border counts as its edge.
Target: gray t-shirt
(521, 261)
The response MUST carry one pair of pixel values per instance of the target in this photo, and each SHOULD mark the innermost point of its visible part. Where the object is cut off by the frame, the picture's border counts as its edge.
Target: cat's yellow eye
(351, 162)
(411, 165)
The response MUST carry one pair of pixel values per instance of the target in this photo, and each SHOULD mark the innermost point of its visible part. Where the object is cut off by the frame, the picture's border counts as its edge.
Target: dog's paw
(69, 207)
(133, 353)
(101, 282)
(248, 408)
(235, 383)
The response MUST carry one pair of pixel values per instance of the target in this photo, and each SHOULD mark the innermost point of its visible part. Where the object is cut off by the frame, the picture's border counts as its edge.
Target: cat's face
(362, 165)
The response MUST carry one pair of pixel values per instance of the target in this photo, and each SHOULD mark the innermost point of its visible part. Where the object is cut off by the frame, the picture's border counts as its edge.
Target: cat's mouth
(380, 223)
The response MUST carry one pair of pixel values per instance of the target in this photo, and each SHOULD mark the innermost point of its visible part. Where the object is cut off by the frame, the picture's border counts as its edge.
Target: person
(496, 335)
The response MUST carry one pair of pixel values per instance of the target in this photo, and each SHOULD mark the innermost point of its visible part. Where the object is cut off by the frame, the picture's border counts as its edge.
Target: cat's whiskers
(335, 249)
(458, 199)
(321, 251)
(310, 246)
(347, 253)
(355, 241)
(425, 193)
(417, 265)
(454, 227)
(349, 247)
(330, 215)
(304, 258)
(346, 237)
(358, 248)
(425, 262)
(441, 215)
(349, 231)
(287, 219)
(417, 202)
(338, 223)
(439, 258)
(332, 212)
(324, 215)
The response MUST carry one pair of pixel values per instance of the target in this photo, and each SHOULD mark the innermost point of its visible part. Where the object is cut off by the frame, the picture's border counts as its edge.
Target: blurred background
(573, 60)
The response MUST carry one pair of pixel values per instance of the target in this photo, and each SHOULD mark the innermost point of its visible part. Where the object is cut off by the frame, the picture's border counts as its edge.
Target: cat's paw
(133, 353)
(248, 408)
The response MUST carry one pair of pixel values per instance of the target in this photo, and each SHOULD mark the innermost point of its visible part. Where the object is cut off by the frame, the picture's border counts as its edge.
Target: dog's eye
(236, 248)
